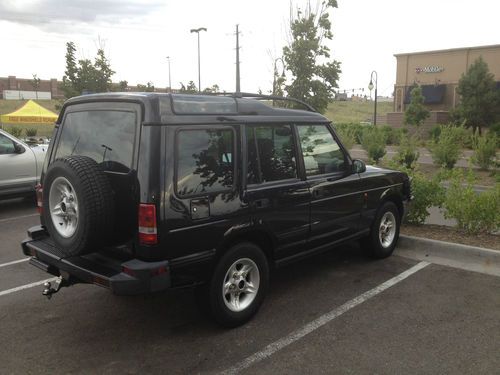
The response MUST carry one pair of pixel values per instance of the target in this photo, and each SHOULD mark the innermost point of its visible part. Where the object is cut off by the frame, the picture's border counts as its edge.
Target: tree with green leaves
(85, 75)
(123, 85)
(479, 98)
(416, 113)
(35, 83)
(314, 74)
(148, 87)
(189, 89)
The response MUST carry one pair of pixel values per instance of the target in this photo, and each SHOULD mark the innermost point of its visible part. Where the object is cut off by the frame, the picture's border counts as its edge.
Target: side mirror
(19, 149)
(358, 166)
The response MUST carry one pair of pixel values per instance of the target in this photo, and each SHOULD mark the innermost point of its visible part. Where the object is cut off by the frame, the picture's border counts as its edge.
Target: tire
(380, 245)
(78, 207)
(222, 306)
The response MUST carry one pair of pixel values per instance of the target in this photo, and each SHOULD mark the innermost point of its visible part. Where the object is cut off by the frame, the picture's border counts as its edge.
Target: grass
(43, 130)
(349, 112)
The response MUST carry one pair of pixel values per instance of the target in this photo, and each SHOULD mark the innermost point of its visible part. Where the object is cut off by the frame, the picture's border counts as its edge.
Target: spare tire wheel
(78, 205)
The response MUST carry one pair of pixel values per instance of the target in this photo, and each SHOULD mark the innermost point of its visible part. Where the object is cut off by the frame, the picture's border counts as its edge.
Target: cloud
(49, 14)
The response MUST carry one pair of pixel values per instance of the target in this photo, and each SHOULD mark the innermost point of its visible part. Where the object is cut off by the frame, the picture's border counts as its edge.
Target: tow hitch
(48, 290)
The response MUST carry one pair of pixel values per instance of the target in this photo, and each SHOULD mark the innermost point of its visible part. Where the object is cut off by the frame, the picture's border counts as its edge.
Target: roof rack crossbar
(268, 97)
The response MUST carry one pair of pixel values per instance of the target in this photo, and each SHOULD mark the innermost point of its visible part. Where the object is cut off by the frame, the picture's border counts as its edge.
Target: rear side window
(105, 136)
(271, 155)
(205, 161)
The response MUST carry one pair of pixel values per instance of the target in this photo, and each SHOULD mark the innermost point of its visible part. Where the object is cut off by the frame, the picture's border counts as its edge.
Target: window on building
(271, 155)
(205, 161)
(322, 154)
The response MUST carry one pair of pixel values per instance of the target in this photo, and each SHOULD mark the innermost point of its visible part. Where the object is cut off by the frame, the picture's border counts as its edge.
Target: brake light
(39, 198)
(147, 224)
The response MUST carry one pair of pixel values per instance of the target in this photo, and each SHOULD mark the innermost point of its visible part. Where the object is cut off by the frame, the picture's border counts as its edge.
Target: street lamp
(197, 31)
(276, 73)
(370, 87)
(169, 78)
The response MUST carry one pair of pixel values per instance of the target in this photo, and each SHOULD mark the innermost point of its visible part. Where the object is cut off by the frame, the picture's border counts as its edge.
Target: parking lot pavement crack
(321, 321)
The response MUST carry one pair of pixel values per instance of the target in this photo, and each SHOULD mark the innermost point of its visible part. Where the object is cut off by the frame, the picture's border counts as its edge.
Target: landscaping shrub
(447, 149)
(347, 135)
(374, 141)
(427, 193)
(31, 132)
(407, 154)
(474, 212)
(15, 131)
(435, 132)
(484, 147)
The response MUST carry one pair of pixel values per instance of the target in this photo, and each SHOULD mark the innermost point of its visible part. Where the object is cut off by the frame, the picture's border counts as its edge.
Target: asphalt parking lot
(338, 312)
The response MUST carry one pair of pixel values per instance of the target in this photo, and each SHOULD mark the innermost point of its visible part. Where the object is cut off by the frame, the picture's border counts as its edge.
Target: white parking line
(321, 321)
(18, 217)
(14, 262)
(27, 286)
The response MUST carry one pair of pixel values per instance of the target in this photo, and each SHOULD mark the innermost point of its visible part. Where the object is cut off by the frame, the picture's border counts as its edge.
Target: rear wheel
(238, 285)
(384, 232)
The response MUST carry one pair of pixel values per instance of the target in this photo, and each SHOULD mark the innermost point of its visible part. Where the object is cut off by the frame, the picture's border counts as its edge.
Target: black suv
(145, 192)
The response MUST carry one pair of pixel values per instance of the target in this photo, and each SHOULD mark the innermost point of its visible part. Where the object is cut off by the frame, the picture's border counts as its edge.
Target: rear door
(336, 196)
(278, 198)
(17, 169)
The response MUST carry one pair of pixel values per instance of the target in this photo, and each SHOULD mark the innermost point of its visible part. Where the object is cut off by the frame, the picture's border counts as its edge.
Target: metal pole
(199, 59)
(169, 78)
(370, 86)
(237, 60)
(199, 64)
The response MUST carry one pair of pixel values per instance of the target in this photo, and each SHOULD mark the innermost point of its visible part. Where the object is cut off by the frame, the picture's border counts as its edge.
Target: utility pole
(237, 59)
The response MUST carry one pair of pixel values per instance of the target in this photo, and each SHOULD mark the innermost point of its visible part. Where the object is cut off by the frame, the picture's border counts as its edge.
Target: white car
(20, 166)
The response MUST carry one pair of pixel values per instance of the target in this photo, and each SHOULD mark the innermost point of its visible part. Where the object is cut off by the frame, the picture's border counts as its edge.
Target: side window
(271, 155)
(6, 145)
(205, 161)
(322, 154)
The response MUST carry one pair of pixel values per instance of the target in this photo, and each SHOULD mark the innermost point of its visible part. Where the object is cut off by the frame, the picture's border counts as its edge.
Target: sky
(138, 35)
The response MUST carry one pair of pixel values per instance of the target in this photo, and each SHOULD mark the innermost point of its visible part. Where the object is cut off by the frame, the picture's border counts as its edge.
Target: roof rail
(267, 97)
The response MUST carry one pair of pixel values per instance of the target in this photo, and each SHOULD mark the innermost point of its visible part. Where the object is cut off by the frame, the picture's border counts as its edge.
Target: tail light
(147, 224)
(39, 198)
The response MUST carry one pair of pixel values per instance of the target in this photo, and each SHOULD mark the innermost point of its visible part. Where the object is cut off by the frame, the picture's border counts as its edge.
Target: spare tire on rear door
(78, 207)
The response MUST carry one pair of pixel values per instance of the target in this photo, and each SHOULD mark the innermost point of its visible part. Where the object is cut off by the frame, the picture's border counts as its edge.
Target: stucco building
(438, 73)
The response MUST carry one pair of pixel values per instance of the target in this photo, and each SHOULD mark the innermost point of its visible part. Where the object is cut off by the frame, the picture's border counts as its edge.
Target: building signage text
(429, 69)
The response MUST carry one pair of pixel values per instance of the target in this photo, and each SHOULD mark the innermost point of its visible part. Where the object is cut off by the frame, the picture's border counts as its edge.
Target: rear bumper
(123, 276)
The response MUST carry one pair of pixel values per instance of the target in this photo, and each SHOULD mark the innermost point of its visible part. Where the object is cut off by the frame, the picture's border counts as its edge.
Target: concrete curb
(470, 258)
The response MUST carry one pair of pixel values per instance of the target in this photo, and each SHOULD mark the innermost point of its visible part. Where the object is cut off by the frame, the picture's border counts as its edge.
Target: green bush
(435, 132)
(474, 212)
(31, 132)
(447, 149)
(15, 131)
(485, 147)
(347, 135)
(426, 192)
(374, 141)
(407, 154)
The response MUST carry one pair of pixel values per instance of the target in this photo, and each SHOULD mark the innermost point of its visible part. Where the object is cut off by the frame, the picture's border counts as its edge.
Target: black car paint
(288, 219)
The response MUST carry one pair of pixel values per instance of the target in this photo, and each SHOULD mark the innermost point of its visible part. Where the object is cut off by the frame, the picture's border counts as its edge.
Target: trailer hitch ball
(48, 291)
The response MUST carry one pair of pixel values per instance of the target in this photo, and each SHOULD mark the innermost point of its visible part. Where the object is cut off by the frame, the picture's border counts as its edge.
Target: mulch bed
(441, 233)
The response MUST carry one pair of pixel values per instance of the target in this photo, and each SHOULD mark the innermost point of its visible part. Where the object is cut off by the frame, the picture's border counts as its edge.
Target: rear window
(105, 136)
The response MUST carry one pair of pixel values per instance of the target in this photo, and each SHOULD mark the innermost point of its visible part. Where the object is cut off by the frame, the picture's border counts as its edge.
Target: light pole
(276, 73)
(370, 87)
(197, 31)
(169, 78)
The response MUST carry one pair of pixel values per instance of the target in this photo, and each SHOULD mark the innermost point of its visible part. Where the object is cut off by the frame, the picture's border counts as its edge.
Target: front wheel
(384, 233)
(238, 285)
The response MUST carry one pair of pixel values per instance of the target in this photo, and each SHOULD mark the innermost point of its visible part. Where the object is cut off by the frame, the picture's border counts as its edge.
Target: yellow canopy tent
(30, 113)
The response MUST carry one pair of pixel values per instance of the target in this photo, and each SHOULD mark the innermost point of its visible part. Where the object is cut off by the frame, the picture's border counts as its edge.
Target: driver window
(322, 154)
(6, 145)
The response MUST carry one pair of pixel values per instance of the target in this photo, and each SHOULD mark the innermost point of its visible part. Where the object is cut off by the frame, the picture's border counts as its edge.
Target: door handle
(261, 203)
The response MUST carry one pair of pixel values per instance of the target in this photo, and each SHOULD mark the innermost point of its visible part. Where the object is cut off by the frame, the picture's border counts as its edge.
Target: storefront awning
(433, 94)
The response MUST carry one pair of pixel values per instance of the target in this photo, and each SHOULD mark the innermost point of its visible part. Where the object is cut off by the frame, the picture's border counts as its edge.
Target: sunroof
(203, 104)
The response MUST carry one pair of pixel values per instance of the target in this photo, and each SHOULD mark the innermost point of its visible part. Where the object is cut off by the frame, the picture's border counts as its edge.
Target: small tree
(35, 83)
(123, 85)
(374, 141)
(189, 89)
(313, 73)
(148, 87)
(416, 113)
(479, 98)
